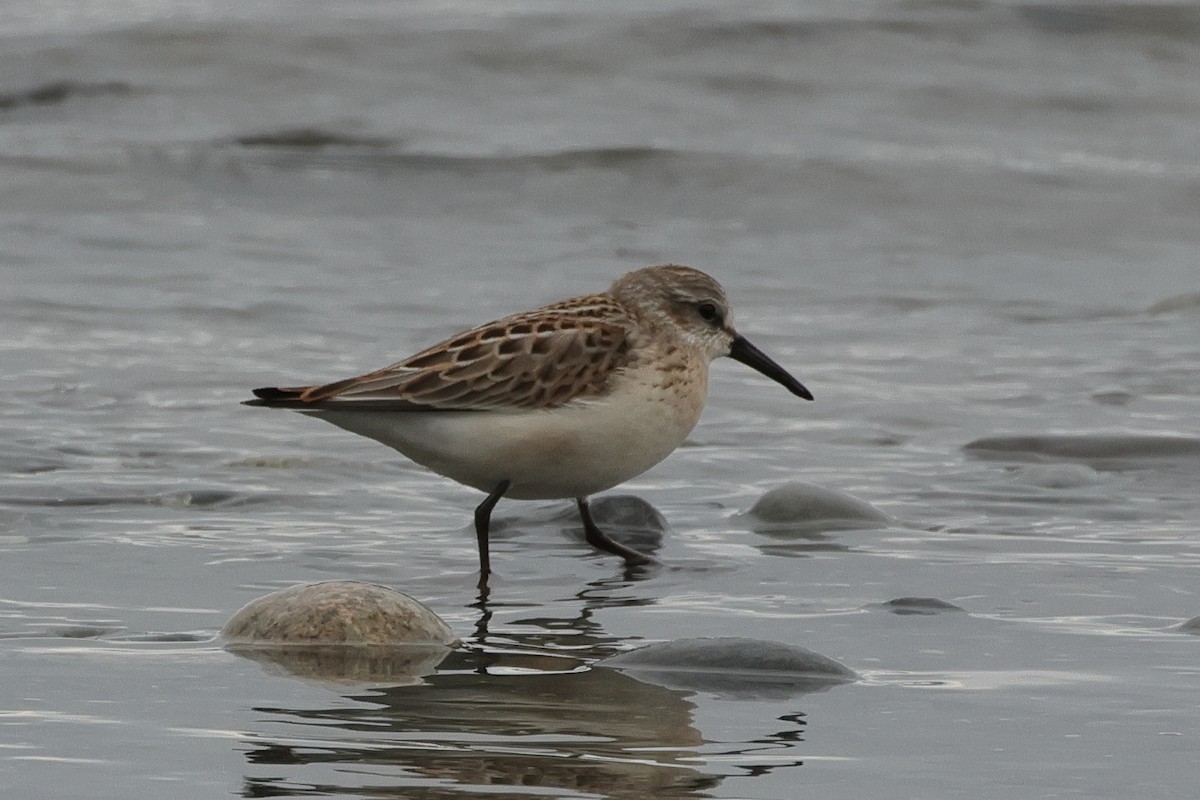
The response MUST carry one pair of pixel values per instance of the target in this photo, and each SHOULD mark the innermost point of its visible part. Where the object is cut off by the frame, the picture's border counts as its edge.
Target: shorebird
(560, 402)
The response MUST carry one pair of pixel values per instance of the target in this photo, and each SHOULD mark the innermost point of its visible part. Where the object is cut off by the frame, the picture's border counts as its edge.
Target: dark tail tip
(273, 396)
(275, 393)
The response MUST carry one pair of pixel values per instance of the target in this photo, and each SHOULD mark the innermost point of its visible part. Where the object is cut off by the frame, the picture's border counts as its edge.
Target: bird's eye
(708, 312)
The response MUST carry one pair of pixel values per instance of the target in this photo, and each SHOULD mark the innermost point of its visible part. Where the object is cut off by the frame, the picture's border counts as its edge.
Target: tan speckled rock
(341, 632)
(337, 612)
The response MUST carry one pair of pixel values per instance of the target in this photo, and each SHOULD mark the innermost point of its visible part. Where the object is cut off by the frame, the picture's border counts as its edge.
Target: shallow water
(968, 228)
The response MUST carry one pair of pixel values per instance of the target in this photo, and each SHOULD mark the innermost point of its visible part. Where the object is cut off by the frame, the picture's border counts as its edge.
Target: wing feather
(538, 359)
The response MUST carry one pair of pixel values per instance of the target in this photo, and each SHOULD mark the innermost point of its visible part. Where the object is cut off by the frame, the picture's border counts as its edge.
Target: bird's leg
(483, 515)
(599, 539)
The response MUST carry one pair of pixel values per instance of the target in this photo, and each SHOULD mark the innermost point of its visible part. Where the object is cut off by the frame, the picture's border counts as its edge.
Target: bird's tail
(275, 397)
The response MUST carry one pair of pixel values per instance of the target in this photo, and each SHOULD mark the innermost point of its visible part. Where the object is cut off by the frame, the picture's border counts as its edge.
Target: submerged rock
(1058, 476)
(920, 605)
(337, 612)
(631, 520)
(1114, 396)
(807, 505)
(625, 512)
(733, 665)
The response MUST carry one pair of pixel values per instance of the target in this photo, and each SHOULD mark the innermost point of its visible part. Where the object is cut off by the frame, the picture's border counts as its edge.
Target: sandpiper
(560, 402)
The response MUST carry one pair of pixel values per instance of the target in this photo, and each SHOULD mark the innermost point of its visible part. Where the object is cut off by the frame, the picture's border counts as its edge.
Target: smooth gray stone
(733, 665)
(799, 503)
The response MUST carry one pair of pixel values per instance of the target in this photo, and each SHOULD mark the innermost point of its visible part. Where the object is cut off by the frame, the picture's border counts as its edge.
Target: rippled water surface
(969, 228)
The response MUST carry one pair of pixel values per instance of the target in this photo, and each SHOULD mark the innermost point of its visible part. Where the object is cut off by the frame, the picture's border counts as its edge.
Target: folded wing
(539, 359)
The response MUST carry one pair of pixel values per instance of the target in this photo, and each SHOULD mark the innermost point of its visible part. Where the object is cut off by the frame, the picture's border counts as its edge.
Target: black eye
(708, 312)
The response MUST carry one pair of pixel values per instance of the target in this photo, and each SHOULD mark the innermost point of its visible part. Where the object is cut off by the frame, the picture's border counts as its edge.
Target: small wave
(1087, 446)
(59, 92)
(303, 149)
(740, 32)
(1179, 303)
(68, 630)
(560, 161)
(312, 139)
(168, 637)
(1177, 21)
(675, 32)
(200, 498)
(1033, 162)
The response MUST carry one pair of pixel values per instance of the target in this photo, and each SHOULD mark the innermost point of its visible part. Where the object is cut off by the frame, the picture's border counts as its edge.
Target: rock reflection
(349, 665)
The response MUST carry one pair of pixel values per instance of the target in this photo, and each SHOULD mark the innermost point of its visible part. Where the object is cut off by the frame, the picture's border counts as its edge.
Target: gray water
(970, 228)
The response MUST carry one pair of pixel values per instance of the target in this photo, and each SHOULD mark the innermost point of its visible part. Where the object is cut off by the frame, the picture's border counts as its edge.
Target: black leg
(599, 539)
(483, 515)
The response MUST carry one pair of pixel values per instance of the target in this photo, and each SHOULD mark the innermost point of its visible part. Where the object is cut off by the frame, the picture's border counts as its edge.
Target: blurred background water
(969, 227)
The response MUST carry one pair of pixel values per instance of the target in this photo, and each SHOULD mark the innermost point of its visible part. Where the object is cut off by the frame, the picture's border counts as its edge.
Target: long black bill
(741, 350)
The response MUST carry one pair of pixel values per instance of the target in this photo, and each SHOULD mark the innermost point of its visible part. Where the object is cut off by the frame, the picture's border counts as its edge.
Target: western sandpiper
(560, 402)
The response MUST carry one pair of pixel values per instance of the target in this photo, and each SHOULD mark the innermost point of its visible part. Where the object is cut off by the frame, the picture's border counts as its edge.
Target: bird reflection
(523, 713)
(597, 732)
